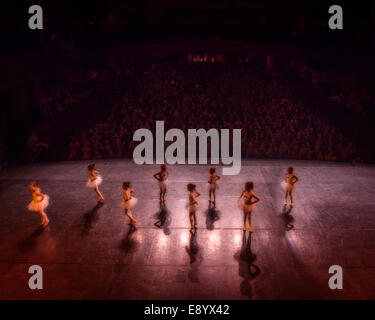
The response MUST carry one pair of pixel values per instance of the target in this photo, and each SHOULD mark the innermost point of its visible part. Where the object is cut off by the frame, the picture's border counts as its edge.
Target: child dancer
(94, 180)
(129, 202)
(247, 204)
(193, 205)
(212, 184)
(288, 185)
(162, 178)
(39, 204)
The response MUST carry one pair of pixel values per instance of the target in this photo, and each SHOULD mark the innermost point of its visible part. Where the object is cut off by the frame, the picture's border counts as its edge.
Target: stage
(88, 251)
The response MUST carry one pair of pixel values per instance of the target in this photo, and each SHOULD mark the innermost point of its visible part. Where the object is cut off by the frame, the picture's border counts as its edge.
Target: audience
(57, 100)
(356, 98)
(215, 95)
(52, 106)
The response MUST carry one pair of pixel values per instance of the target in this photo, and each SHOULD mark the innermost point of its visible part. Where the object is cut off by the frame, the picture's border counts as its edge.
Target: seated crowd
(51, 107)
(216, 95)
(54, 101)
(356, 97)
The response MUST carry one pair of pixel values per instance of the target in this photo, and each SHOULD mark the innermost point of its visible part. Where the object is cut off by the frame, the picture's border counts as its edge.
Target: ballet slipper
(244, 228)
(46, 223)
(251, 229)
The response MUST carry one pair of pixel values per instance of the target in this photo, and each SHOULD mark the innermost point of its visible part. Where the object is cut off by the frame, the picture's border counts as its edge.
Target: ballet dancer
(288, 185)
(94, 180)
(129, 202)
(162, 178)
(193, 205)
(247, 204)
(212, 184)
(39, 204)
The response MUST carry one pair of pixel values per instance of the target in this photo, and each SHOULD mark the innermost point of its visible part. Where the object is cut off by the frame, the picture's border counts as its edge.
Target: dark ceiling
(158, 20)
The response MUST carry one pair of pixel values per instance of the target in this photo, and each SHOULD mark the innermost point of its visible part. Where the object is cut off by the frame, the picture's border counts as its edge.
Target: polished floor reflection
(90, 252)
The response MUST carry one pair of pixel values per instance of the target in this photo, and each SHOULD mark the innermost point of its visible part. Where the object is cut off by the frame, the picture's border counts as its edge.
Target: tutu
(287, 186)
(163, 184)
(93, 184)
(212, 186)
(38, 206)
(245, 207)
(191, 207)
(129, 204)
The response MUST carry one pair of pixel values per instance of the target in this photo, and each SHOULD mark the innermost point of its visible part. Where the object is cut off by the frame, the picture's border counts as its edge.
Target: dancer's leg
(46, 220)
(42, 217)
(244, 220)
(286, 198)
(130, 216)
(163, 193)
(291, 197)
(250, 225)
(101, 198)
(191, 220)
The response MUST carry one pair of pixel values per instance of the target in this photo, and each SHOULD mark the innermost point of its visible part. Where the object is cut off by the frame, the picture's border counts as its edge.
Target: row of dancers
(246, 200)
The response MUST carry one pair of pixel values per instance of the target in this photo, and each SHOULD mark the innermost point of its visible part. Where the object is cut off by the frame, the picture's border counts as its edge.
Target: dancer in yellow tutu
(39, 204)
(288, 185)
(129, 202)
(246, 202)
(192, 205)
(95, 179)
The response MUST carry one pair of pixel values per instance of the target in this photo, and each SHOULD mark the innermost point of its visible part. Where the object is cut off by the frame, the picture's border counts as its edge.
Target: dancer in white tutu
(39, 204)
(129, 202)
(193, 205)
(246, 202)
(94, 181)
(162, 178)
(213, 184)
(289, 184)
